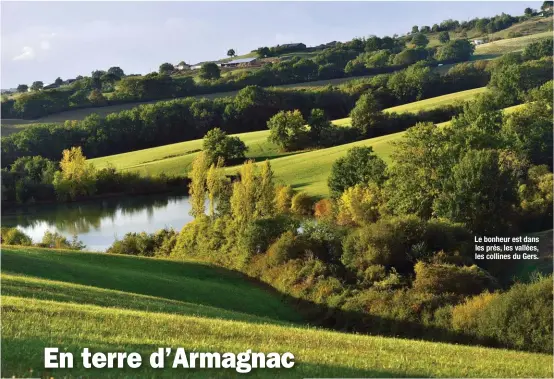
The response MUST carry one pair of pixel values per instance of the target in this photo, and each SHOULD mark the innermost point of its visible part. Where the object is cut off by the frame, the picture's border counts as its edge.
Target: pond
(99, 223)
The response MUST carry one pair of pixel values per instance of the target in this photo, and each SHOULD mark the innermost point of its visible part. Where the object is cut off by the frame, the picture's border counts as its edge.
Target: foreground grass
(152, 282)
(73, 300)
(29, 325)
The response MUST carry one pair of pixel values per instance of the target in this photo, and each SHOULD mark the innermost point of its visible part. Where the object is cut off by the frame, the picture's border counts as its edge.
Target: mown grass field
(497, 48)
(176, 158)
(534, 25)
(73, 300)
(427, 104)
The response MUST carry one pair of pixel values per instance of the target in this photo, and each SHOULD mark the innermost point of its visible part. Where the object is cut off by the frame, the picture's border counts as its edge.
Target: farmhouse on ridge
(238, 62)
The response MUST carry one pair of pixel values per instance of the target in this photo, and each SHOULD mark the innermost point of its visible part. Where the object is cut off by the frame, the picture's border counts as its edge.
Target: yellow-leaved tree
(76, 178)
(217, 185)
(359, 205)
(197, 186)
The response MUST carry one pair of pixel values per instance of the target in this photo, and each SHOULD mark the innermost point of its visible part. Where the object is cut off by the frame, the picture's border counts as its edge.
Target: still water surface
(99, 223)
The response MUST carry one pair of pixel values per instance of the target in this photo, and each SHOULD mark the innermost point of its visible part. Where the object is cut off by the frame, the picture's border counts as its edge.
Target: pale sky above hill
(44, 40)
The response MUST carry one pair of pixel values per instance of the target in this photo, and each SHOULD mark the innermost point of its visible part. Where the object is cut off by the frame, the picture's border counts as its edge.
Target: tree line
(374, 56)
(166, 122)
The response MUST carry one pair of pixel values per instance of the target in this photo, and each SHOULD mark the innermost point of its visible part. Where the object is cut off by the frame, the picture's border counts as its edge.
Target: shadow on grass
(214, 287)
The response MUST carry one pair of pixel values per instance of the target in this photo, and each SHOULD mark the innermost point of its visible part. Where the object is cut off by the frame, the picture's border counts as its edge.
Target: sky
(44, 40)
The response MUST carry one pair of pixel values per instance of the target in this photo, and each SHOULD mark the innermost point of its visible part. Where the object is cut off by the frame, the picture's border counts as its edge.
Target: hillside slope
(176, 158)
(38, 312)
(181, 284)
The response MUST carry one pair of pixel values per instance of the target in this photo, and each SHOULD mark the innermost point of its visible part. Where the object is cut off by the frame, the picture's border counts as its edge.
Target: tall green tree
(366, 114)
(288, 130)
(231, 53)
(117, 71)
(444, 37)
(420, 40)
(321, 129)
(217, 144)
(265, 205)
(37, 86)
(210, 71)
(216, 185)
(359, 166)
(479, 193)
(166, 68)
(22, 88)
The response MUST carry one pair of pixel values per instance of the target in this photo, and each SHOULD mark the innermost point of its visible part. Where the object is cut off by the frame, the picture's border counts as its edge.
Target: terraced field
(73, 300)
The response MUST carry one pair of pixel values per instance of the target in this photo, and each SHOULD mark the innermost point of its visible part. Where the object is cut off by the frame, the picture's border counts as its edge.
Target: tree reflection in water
(106, 217)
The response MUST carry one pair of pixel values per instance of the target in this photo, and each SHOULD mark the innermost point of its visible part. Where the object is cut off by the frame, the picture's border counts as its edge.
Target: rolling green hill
(427, 104)
(504, 46)
(73, 300)
(176, 158)
(311, 169)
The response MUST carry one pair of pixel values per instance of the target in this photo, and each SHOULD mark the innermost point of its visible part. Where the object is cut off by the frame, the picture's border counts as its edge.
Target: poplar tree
(197, 186)
(216, 182)
(243, 199)
(265, 205)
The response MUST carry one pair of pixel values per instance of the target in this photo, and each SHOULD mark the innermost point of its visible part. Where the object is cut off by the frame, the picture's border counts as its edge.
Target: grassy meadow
(504, 46)
(73, 300)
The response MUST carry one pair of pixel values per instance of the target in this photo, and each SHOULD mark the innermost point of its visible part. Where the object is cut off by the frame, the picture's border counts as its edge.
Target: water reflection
(98, 223)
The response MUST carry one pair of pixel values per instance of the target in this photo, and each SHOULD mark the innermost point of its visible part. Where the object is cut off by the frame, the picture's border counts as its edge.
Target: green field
(427, 104)
(176, 158)
(309, 171)
(497, 48)
(535, 25)
(73, 300)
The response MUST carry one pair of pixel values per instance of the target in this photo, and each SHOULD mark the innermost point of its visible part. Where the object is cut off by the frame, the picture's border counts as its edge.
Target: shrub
(324, 240)
(217, 144)
(261, 233)
(287, 247)
(301, 204)
(447, 278)
(359, 205)
(465, 316)
(14, 236)
(57, 241)
(283, 198)
(520, 318)
(359, 166)
(324, 210)
(145, 244)
(387, 242)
